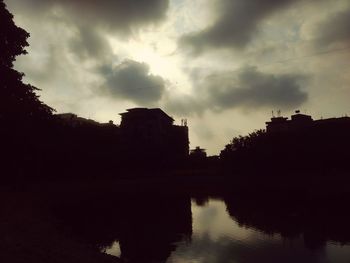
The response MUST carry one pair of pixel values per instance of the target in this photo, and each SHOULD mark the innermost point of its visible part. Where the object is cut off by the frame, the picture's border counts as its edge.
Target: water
(180, 229)
(217, 237)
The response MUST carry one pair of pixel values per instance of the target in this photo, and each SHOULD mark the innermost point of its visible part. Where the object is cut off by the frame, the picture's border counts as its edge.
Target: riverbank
(193, 184)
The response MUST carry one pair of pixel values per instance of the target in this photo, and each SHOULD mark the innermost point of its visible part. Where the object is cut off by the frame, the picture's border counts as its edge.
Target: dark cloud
(131, 80)
(184, 105)
(335, 29)
(237, 23)
(247, 89)
(122, 16)
(254, 89)
(89, 43)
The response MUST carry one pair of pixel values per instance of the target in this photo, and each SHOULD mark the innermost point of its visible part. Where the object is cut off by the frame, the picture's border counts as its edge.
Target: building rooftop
(300, 121)
(147, 112)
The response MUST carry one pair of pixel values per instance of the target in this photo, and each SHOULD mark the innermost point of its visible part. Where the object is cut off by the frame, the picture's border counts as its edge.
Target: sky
(224, 65)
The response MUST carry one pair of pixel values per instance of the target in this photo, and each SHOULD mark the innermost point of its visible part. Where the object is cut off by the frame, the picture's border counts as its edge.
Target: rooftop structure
(301, 121)
(277, 124)
(198, 152)
(145, 119)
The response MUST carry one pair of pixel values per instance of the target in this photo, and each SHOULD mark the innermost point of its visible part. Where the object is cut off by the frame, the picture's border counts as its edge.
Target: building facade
(151, 133)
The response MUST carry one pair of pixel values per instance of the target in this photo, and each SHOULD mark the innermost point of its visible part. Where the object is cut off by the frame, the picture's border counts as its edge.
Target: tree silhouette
(18, 101)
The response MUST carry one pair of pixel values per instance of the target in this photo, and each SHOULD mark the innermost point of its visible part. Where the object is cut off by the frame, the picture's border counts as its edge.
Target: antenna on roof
(279, 113)
(273, 115)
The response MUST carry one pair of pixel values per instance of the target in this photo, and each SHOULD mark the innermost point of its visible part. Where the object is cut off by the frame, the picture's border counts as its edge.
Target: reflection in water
(113, 250)
(151, 228)
(315, 220)
(218, 237)
(146, 227)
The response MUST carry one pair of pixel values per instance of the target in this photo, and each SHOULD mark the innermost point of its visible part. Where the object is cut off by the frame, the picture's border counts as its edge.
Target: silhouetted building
(152, 133)
(198, 153)
(331, 122)
(73, 120)
(277, 124)
(198, 158)
(146, 123)
(301, 121)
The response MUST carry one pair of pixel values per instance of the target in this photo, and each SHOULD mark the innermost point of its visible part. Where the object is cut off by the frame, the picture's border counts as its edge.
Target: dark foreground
(29, 233)
(74, 221)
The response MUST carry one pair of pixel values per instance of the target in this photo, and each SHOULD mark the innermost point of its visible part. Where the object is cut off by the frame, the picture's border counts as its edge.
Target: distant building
(198, 153)
(73, 120)
(198, 158)
(341, 121)
(152, 131)
(301, 121)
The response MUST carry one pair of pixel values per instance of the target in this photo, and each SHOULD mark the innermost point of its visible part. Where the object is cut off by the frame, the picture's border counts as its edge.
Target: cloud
(83, 27)
(131, 80)
(334, 29)
(247, 89)
(184, 104)
(90, 21)
(253, 89)
(238, 21)
(89, 43)
(121, 16)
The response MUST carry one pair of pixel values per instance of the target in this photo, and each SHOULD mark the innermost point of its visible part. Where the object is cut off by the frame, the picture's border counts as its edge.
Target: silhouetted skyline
(208, 62)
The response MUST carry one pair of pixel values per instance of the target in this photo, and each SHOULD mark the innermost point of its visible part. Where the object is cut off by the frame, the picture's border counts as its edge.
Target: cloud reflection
(218, 239)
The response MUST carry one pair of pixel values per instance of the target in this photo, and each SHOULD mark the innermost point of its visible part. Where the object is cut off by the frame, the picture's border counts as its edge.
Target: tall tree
(18, 101)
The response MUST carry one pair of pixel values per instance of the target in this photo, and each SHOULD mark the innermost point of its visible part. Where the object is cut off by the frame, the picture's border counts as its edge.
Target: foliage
(243, 143)
(320, 148)
(17, 100)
